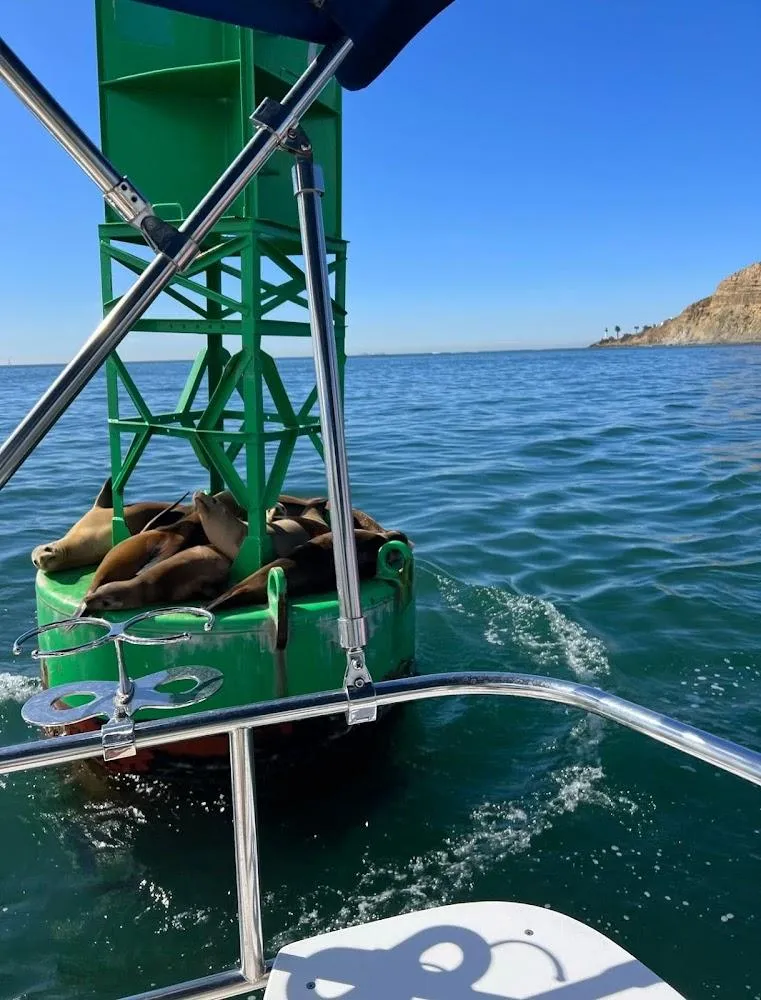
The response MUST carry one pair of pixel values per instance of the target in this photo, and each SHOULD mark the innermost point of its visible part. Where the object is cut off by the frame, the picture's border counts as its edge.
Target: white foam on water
(532, 623)
(546, 634)
(497, 831)
(17, 687)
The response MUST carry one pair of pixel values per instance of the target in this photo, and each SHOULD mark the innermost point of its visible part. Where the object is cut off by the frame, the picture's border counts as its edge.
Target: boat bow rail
(241, 721)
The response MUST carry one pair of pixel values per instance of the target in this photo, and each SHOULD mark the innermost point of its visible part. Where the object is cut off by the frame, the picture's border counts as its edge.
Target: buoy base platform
(243, 645)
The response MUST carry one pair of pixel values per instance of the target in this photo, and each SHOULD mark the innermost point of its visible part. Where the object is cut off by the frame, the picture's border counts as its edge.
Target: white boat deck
(470, 951)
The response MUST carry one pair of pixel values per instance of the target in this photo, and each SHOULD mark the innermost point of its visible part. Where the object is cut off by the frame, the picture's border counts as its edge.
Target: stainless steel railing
(240, 721)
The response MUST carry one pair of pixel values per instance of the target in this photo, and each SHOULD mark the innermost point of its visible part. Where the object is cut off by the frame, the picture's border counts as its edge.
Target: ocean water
(591, 515)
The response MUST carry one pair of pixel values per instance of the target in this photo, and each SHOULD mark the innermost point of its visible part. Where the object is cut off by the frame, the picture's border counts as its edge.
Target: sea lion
(363, 520)
(318, 506)
(192, 574)
(227, 532)
(314, 521)
(142, 550)
(227, 498)
(292, 506)
(308, 570)
(87, 541)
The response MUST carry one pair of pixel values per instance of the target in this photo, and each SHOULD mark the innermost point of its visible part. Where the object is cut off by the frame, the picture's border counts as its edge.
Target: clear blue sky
(527, 173)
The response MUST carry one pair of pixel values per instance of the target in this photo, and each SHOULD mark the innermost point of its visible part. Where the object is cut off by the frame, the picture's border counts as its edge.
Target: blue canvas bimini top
(379, 29)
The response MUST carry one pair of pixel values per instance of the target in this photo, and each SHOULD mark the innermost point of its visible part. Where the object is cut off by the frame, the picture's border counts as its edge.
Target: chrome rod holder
(119, 702)
(308, 186)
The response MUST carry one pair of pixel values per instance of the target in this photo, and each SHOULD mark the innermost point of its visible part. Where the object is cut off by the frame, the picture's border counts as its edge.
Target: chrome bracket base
(360, 689)
(118, 738)
(128, 202)
(271, 115)
(118, 702)
(162, 237)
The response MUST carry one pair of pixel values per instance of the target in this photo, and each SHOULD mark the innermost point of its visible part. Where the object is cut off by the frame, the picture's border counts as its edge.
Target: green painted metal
(176, 95)
(231, 404)
(243, 643)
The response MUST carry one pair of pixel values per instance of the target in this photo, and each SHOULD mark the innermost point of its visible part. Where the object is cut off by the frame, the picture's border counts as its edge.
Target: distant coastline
(732, 315)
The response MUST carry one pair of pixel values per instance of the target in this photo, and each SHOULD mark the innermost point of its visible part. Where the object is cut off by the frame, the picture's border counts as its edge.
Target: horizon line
(301, 357)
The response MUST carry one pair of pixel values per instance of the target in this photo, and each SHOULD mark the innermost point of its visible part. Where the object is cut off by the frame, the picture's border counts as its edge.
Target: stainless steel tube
(159, 272)
(216, 987)
(246, 853)
(722, 753)
(308, 187)
(61, 126)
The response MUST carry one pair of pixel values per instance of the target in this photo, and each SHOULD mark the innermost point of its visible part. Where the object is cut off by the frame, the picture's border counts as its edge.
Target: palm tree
(636, 329)
(618, 330)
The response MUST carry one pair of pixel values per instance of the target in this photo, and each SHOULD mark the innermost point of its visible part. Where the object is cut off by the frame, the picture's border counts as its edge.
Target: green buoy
(173, 113)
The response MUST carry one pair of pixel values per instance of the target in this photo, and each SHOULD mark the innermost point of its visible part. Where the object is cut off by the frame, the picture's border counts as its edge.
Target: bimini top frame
(240, 723)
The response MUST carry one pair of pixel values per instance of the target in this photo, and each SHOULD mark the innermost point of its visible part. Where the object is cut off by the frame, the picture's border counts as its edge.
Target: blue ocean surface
(593, 515)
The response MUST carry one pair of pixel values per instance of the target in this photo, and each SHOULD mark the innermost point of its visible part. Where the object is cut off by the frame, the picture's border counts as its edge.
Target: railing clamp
(132, 206)
(360, 689)
(272, 116)
(118, 702)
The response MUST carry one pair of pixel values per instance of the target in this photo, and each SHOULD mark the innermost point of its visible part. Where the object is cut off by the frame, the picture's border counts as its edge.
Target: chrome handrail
(239, 722)
(722, 753)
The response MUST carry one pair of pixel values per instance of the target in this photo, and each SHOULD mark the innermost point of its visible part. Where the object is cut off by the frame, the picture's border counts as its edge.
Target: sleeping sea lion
(317, 506)
(146, 548)
(308, 570)
(227, 532)
(314, 521)
(86, 542)
(192, 574)
(292, 506)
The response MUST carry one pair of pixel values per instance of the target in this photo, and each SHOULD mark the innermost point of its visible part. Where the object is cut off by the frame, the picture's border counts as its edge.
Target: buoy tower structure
(179, 97)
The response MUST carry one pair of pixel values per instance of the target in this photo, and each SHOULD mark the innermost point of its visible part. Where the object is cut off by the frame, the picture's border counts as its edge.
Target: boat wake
(530, 626)
(496, 831)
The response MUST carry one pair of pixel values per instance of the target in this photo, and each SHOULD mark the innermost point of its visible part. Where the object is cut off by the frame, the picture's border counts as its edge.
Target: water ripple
(585, 514)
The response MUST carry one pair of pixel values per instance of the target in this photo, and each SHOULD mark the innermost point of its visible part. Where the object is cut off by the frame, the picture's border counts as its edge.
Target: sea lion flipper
(106, 496)
(156, 520)
(78, 612)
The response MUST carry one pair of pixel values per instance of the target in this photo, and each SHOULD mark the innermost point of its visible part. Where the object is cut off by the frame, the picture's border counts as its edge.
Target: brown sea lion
(317, 507)
(363, 520)
(146, 548)
(291, 506)
(192, 574)
(227, 532)
(87, 541)
(226, 497)
(314, 521)
(308, 570)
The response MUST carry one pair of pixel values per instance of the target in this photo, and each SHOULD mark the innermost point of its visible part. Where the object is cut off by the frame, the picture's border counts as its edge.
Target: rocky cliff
(732, 315)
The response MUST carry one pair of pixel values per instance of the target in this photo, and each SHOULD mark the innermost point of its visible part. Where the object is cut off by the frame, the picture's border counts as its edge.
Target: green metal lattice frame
(234, 419)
